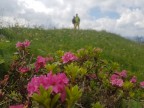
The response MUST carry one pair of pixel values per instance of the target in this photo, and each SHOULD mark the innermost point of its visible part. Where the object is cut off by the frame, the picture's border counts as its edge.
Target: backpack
(73, 20)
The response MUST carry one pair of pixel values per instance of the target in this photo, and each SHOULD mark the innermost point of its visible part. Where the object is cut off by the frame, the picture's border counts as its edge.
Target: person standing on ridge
(77, 21)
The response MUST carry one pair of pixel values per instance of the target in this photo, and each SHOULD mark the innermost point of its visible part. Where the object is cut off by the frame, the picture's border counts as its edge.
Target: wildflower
(117, 82)
(123, 74)
(40, 63)
(24, 69)
(114, 76)
(33, 85)
(133, 79)
(26, 43)
(22, 45)
(56, 81)
(68, 56)
(19, 44)
(17, 106)
(142, 84)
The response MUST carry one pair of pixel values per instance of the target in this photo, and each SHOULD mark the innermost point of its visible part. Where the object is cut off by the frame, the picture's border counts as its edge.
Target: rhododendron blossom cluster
(56, 81)
(123, 74)
(117, 82)
(116, 78)
(40, 63)
(24, 44)
(133, 79)
(68, 56)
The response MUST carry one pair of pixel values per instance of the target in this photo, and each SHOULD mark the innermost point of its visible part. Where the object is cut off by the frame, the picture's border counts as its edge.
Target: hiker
(73, 21)
(77, 21)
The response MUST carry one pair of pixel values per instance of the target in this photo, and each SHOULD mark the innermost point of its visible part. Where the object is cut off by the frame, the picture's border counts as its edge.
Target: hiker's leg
(78, 25)
(74, 25)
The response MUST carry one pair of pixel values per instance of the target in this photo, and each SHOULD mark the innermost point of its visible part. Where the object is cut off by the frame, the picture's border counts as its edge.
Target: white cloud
(37, 6)
(131, 22)
(58, 13)
(131, 16)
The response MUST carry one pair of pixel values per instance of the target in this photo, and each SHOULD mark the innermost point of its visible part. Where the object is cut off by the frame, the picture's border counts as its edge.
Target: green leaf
(68, 92)
(44, 97)
(46, 102)
(49, 91)
(51, 67)
(55, 99)
(97, 105)
(73, 94)
(42, 90)
(36, 97)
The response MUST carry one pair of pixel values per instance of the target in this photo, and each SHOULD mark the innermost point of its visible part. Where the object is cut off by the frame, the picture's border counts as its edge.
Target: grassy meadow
(129, 54)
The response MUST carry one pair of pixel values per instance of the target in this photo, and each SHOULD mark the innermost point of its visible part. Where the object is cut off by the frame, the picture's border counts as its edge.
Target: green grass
(128, 54)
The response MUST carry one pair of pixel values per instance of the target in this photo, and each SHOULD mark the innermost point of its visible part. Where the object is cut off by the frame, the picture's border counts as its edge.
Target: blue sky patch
(97, 13)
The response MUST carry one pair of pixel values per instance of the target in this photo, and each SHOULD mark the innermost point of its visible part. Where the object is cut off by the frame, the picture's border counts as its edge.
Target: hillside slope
(128, 54)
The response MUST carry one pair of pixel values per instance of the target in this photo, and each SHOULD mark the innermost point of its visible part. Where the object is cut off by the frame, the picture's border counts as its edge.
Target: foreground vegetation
(115, 48)
(68, 80)
(69, 69)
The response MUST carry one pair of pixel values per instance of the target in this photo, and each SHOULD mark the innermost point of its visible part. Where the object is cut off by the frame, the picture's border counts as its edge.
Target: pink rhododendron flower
(33, 85)
(142, 84)
(114, 76)
(56, 81)
(133, 79)
(16, 106)
(40, 63)
(24, 69)
(62, 78)
(68, 56)
(24, 44)
(117, 82)
(123, 74)
(19, 44)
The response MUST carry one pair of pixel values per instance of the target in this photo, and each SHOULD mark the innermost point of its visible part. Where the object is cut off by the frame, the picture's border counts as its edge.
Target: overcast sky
(124, 17)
